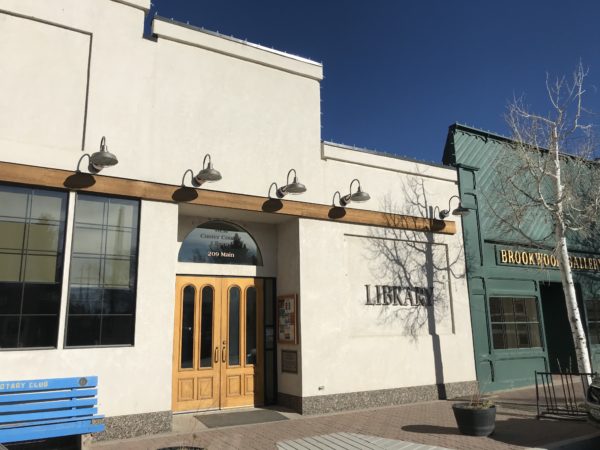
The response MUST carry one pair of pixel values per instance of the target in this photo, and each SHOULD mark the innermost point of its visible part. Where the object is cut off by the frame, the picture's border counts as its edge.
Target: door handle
(217, 354)
(223, 354)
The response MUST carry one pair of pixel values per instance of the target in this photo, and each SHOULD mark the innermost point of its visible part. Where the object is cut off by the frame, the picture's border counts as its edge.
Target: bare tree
(547, 175)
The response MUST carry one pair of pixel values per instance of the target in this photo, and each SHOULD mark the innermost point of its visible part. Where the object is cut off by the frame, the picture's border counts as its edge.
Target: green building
(518, 312)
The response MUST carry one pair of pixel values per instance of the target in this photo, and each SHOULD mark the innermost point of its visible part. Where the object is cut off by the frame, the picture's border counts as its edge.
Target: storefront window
(32, 230)
(515, 322)
(219, 242)
(593, 314)
(103, 272)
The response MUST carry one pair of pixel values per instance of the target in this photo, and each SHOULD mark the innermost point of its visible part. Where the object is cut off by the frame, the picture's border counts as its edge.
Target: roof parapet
(198, 37)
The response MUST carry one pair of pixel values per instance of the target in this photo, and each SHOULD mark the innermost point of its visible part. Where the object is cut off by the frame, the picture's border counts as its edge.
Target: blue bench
(39, 409)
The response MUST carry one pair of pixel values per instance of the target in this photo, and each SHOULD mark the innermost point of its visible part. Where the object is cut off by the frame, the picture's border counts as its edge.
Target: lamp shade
(208, 175)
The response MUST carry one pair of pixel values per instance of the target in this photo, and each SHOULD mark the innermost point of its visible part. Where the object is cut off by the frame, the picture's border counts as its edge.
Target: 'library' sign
(398, 295)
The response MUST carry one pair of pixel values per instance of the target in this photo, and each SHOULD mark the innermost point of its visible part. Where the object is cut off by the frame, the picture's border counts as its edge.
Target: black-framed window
(103, 274)
(32, 232)
(515, 322)
(593, 315)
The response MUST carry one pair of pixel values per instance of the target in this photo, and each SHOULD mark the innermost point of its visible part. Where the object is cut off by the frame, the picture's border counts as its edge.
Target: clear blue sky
(398, 73)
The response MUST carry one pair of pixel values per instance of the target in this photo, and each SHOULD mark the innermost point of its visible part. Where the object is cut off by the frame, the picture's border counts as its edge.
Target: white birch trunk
(566, 275)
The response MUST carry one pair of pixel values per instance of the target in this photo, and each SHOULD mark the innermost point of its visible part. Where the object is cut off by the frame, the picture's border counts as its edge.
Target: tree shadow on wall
(419, 262)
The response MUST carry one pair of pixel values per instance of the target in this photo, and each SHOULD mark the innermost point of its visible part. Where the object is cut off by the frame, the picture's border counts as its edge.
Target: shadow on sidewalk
(527, 432)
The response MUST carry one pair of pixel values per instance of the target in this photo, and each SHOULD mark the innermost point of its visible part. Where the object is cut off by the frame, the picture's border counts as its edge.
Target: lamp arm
(204, 160)
(287, 179)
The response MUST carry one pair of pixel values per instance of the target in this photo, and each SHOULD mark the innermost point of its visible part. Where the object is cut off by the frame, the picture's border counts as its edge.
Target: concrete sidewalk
(429, 424)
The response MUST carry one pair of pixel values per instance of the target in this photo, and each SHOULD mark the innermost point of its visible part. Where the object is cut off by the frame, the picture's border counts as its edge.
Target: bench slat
(48, 431)
(45, 406)
(9, 418)
(51, 421)
(52, 395)
(48, 422)
(47, 384)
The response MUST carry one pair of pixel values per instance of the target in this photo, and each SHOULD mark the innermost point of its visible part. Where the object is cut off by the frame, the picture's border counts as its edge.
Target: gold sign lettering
(546, 260)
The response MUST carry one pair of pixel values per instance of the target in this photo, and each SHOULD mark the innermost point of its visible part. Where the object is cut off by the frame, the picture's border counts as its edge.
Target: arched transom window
(219, 242)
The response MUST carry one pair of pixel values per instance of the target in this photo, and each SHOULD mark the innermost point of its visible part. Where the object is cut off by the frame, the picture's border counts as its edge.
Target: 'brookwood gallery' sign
(544, 260)
(399, 295)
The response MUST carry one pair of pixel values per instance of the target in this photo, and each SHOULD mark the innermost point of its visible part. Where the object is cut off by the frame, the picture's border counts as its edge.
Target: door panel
(242, 318)
(218, 343)
(196, 370)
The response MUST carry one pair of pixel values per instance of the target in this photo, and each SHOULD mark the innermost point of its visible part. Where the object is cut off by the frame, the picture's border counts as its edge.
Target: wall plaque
(289, 361)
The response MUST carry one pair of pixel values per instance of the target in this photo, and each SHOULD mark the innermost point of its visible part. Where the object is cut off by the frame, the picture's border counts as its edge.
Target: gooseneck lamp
(208, 174)
(459, 211)
(359, 196)
(294, 188)
(102, 158)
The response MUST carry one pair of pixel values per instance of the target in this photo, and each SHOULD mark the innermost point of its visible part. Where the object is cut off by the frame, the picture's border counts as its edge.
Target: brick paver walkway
(430, 423)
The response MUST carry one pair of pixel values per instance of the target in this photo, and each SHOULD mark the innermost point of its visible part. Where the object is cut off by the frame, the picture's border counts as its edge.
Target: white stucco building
(293, 300)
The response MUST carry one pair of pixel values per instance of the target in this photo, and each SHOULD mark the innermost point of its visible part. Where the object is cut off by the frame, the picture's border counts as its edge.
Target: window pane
(118, 243)
(269, 304)
(118, 301)
(496, 309)
(83, 330)
(116, 330)
(90, 209)
(10, 298)
(593, 311)
(11, 234)
(251, 326)
(532, 313)
(234, 326)
(507, 309)
(85, 300)
(122, 213)
(534, 335)
(40, 268)
(522, 335)
(46, 205)
(38, 331)
(43, 237)
(511, 335)
(10, 267)
(9, 329)
(87, 239)
(85, 271)
(499, 336)
(116, 272)
(594, 333)
(187, 328)
(14, 201)
(206, 327)
(41, 298)
(520, 311)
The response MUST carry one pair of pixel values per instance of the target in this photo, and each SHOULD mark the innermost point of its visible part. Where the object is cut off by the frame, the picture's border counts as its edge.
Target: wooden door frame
(220, 303)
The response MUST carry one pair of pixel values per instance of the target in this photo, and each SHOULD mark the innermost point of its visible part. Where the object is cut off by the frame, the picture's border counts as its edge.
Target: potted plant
(476, 417)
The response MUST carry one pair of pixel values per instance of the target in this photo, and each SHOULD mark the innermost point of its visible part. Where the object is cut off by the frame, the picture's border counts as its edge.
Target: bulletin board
(287, 319)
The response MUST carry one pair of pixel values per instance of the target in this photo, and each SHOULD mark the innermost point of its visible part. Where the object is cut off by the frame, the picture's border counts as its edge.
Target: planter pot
(474, 421)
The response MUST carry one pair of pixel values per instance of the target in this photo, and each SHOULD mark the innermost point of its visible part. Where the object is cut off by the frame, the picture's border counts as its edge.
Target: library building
(175, 234)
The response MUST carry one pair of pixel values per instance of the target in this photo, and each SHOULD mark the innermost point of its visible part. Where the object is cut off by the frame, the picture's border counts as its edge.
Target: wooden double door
(218, 343)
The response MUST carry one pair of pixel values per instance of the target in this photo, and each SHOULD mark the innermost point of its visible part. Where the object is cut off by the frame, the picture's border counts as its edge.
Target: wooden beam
(78, 181)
